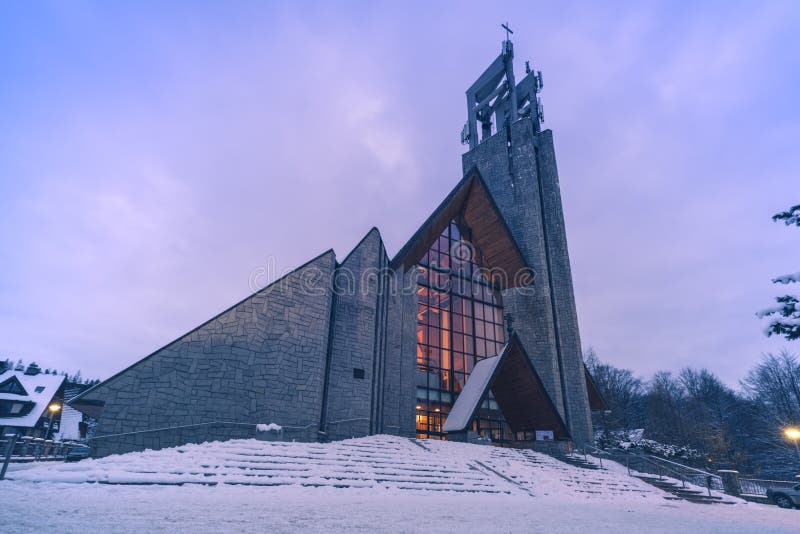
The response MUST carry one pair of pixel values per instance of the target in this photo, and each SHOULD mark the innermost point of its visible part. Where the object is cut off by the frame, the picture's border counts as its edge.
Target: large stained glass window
(459, 321)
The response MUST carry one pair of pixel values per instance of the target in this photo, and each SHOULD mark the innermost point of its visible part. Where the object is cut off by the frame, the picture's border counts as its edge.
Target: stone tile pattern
(355, 340)
(261, 361)
(374, 329)
(524, 184)
(398, 413)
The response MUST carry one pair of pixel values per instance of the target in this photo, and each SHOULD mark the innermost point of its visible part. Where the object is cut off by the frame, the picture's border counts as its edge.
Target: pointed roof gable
(471, 203)
(12, 386)
(596, 400)
(517, 388)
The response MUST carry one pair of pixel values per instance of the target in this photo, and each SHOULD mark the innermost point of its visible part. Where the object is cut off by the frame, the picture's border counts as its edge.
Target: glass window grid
(460, 321)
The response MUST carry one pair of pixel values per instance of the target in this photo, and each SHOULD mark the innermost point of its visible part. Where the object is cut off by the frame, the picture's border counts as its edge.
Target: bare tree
(622, 391)
(773, 390)
(775, 384)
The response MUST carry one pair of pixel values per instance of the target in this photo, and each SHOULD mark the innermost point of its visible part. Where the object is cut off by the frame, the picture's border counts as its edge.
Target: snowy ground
(393, 485)
(80, 508)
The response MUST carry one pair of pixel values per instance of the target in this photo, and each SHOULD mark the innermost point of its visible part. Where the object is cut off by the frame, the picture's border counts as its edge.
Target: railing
(196, 425)
(597, 453)
(758, 487)
(284, 428)
(695, 476)
(661, 467)
(16, 448)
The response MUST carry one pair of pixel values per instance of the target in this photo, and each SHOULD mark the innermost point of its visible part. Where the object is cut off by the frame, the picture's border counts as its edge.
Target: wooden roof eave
(505, 260)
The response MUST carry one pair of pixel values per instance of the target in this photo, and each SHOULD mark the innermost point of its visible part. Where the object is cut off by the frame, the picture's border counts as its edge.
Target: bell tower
(516, 158)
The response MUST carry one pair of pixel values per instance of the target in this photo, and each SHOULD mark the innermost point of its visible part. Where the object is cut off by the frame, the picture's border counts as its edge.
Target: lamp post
(54, 408)
(793, 433)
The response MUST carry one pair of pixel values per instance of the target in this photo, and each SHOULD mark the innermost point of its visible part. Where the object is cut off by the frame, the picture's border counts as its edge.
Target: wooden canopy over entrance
(479, 218)
(518, 390)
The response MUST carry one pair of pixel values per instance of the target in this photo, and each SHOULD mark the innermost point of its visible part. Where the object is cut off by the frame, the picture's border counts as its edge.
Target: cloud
(154, 160)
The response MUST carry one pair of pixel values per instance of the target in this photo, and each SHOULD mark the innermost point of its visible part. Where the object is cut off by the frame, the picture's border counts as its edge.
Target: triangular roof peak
(518, 391)
(471, 205)
(12, 386)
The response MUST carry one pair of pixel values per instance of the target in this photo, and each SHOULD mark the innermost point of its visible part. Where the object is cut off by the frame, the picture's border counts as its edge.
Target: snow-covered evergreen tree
(785, 316)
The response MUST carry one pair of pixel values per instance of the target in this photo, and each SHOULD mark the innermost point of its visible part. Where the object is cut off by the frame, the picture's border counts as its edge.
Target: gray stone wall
(261, 361)
(354, 346)
(563, 296)
(517, 196)
(398, 413)
(522, 183)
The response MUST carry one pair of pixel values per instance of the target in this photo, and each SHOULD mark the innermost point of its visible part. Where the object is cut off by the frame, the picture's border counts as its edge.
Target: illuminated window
(459, 321)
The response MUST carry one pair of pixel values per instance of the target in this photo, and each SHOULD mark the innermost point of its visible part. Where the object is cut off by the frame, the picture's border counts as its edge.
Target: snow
(787, 278)
(472, 394)
(266, 428)
(69, 427)
(122, 509)
(486, 489)
(766, 312)
(633, 439)
(50, 383)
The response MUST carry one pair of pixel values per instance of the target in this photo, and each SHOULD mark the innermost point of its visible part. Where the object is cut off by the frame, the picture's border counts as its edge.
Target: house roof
(517, 389)
(471, 204)
(50, 385)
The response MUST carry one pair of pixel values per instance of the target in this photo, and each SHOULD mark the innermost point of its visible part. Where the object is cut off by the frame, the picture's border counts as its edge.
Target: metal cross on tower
(508, 30)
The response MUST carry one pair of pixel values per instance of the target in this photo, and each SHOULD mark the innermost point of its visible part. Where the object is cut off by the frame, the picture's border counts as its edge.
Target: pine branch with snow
(785, 317)
(790, 217)
(787, 279)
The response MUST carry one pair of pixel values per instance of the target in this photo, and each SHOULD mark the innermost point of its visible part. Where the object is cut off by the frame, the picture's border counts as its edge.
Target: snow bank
(634, 440)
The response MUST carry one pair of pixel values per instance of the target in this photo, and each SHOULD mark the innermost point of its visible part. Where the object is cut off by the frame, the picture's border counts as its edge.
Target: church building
(468, 333)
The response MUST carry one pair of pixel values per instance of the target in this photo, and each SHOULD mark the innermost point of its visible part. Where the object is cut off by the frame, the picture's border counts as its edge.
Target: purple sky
(152, 156)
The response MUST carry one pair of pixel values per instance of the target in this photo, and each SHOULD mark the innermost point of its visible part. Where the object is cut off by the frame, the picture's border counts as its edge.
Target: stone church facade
(378, 344)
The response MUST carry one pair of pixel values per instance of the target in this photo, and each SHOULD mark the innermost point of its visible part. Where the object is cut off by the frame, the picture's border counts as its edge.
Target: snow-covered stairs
(541, 474)
(373, 462)
(376, 462)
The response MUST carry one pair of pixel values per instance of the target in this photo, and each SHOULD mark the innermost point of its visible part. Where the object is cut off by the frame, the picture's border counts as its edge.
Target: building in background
(469, 331)
(74, 425)
(25, 401)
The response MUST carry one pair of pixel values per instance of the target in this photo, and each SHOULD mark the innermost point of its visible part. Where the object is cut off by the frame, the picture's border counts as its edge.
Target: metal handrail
(235, 423)
(598, 452)
(195, 425)
(710, 480)
(695, 476)
(688, 467)
(759, 486)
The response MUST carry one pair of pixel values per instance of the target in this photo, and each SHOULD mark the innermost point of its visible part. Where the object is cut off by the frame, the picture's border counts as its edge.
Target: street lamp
(793, 433)
(54, 408)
